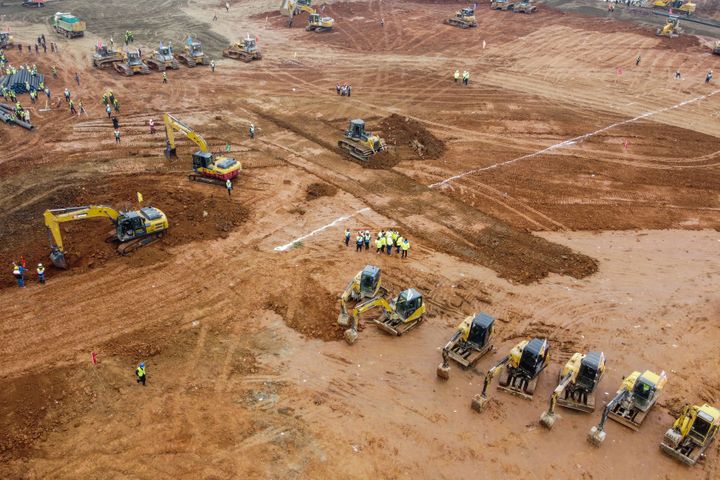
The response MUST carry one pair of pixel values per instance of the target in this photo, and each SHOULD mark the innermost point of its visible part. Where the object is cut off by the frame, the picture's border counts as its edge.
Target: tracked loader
(359, 144)
(106, 57)
(192, 53)
(247, 50)
(163, 58)
(365, 285)
(464, 18)
(471, 341)
(524, 365)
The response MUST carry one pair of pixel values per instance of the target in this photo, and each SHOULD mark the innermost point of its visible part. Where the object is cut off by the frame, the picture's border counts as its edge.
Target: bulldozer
(524, 7)
(105, 56)
(576, 385)
(671, 29)
(365, 285)
(192, 53)
(692, 433)
(471, 340)
(131, 64)
(247, 50)
(716, 48)
(687, 8)
(502, 5)
(207, 167)
(318, 23)
(133, 229)
(524, 364)
(360, 144)
(464, 18)
(631, 404)
(400, 315)
(163, 58)
(6, 40)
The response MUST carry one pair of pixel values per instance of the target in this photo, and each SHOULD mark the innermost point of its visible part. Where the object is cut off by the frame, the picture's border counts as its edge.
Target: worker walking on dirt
(677, 75)
(227, 6)
(19, 274)
(72, 108)
(708, 76)
(81, 108)
(229, 186)
(164, 77)
(67, 95)
(117, 136)
(359, 240)
(466, 77)
(347, 237)
(405, 247)
(152, 126)
(456, 75)
(388, 241)
(252, 131)
(54, 72)
(637, 60)
(366, 236)
(398, 243)
(116, 104)
(212, 65)
(108, 110)
(115, 122)
(77, 78)
(140, 374)
(41, 273)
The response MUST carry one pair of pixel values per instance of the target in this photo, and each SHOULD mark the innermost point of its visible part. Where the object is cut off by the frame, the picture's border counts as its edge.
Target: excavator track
(126, 248)
(468, 357)
(194, 177)
(356, 151)
(398, 328)
(512, 386)
(187, 60)
(460, 23)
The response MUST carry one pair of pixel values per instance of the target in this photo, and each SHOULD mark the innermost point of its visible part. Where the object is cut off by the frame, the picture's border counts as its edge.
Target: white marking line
(571, 141)
(285, 247)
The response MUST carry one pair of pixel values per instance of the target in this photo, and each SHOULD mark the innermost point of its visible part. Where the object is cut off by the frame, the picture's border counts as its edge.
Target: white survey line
(571, 141)
(282, 248)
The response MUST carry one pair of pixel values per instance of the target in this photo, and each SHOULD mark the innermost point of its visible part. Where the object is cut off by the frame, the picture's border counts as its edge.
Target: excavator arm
(172, 125)
(597, 433)
(547, 419)
(53, 219)
(351, 333)
(343, 317)
(479, 401)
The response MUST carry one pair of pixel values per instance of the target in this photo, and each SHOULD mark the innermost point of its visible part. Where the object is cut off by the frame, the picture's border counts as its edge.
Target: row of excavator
(686, 440)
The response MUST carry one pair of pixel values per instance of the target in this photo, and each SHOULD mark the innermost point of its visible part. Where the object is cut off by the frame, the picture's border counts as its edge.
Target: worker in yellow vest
(380, 243)
(405, 247)
(140, 373)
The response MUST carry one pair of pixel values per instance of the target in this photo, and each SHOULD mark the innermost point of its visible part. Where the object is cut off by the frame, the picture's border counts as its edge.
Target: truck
(68, 25)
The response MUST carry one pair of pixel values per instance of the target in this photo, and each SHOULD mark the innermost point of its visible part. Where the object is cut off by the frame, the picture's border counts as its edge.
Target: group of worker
(384, 241)
(344, 90)
(129, 37)
(19, 270)
(465, 77)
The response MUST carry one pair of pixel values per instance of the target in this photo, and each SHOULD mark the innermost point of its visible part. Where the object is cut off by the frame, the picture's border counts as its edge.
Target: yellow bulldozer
(687, 8)
(671, 29)
(192, 53)
(105, 57)
(360, 144)
(366, 285)
(133, 229)
(637, 394)
(131, 64)
(692, 433)
(163, 58)
(464, 18)
(524, 364)
(206, 167)
(400, 315)
(471, 340)
(576, 385)
(247, 50)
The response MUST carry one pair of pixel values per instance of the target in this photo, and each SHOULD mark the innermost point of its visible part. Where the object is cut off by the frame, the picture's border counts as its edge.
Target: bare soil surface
(566, 191)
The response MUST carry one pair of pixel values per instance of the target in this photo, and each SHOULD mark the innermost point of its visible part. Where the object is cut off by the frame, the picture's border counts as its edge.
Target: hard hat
(39, 264)
(142, 364)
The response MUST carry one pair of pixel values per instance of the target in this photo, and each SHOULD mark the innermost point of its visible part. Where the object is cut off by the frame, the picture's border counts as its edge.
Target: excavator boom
(172, 125)
(53, 219)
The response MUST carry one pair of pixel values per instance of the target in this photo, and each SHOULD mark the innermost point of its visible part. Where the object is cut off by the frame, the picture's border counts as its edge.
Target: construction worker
(466, 77)
(398, 243)
(105, 99)
(229, 186)
(456, 75)
(367, 239)
(81, 108)
(637, 60)
(140, 374)
(115, 122)
(405, 247)
(677, 75)
(54, 72)
(164, 77)
(708, 76)
(41, 273)
(67, 95)
(117, 136)
(77, 78)
(212, 65)
(359, 240)
(388, 241)
(347, 237)
(394, 234)
(252, 131)
(19, 274)
(72, 108)
(380, 243)
(108, 110)
(152, 126)
(116, 104)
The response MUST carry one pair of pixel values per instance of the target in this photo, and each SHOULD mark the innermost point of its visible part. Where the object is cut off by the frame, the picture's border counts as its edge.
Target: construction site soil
(567, 191)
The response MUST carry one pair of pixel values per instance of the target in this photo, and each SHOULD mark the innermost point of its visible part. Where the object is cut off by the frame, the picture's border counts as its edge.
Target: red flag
(93, 358)
(257, 39)
(626, 143)
(619, 71)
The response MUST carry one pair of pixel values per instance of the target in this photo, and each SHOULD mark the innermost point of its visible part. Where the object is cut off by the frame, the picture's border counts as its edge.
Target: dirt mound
(317, 190)
(410, 138)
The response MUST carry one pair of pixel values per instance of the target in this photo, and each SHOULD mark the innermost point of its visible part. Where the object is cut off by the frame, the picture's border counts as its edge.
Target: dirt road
(568, 192)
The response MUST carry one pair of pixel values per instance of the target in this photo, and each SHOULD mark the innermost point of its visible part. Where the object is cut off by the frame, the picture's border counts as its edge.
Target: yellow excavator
(677, 5)
(316, 22)
(133, 229)
(206, 167)
(692, 433)
(464, 18)
(471, 340)
(576, 388)
(631, 404)
(365, 285)
(400, 315)
(671, 29)
(524, 364)
(359, 144)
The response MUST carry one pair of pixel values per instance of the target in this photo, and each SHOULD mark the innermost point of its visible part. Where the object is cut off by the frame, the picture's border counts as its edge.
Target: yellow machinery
(671, 28)
(677, 5)
(692, 433)
(318, 23)
(365, 285)
(464, 18)
(163, 58)
(471, 341)
(637, 394)
(192, 53)
(105, 56)
(502, 5)
(524, 364)
(131, 64)
(133, 229)
(716, 48)
(402, 314)
(206, 167)
(576, 388)
(247, 50)
(524, 7)
(360, 144)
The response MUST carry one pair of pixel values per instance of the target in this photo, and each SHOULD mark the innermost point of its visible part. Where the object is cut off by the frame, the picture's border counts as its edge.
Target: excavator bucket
(596, 436)
(479, 403)
(351, 336)
(547, 419)
(443, 371)
(343, 319)
(58, 259)
(170, 152)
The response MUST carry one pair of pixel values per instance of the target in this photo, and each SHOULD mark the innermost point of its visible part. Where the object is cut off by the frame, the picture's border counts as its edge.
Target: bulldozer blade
(631, 424)
(596, 437)
(170, 152)
(478, 403)
(343, 320)
(443, 371)
(588, 407)
(687, 460)
(547, 419)
(58, 259)
(468, 360)
(351, 336)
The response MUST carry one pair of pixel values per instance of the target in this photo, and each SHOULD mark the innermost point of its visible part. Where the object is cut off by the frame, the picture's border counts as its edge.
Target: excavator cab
(202, 160)
(466, 12)
(408, 302)
(702, 426)
(591, 369)
(481, 329)
(533, 357)
(369, 280)
(249, 44)
(356, 130)
(644, 391)
(165, 52)
(135, 224)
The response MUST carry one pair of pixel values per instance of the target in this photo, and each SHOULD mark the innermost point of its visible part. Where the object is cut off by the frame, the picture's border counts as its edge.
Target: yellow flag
(140, 199)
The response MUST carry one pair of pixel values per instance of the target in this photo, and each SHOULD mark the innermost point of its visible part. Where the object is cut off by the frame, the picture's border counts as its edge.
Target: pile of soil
(410, 138)
(317, 190)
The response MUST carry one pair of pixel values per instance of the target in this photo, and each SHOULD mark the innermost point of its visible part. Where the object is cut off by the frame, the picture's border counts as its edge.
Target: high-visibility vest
(382, 241)
(377, 243)
(359, 239)
(40, 270)
(140, 372)
(406, 245)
